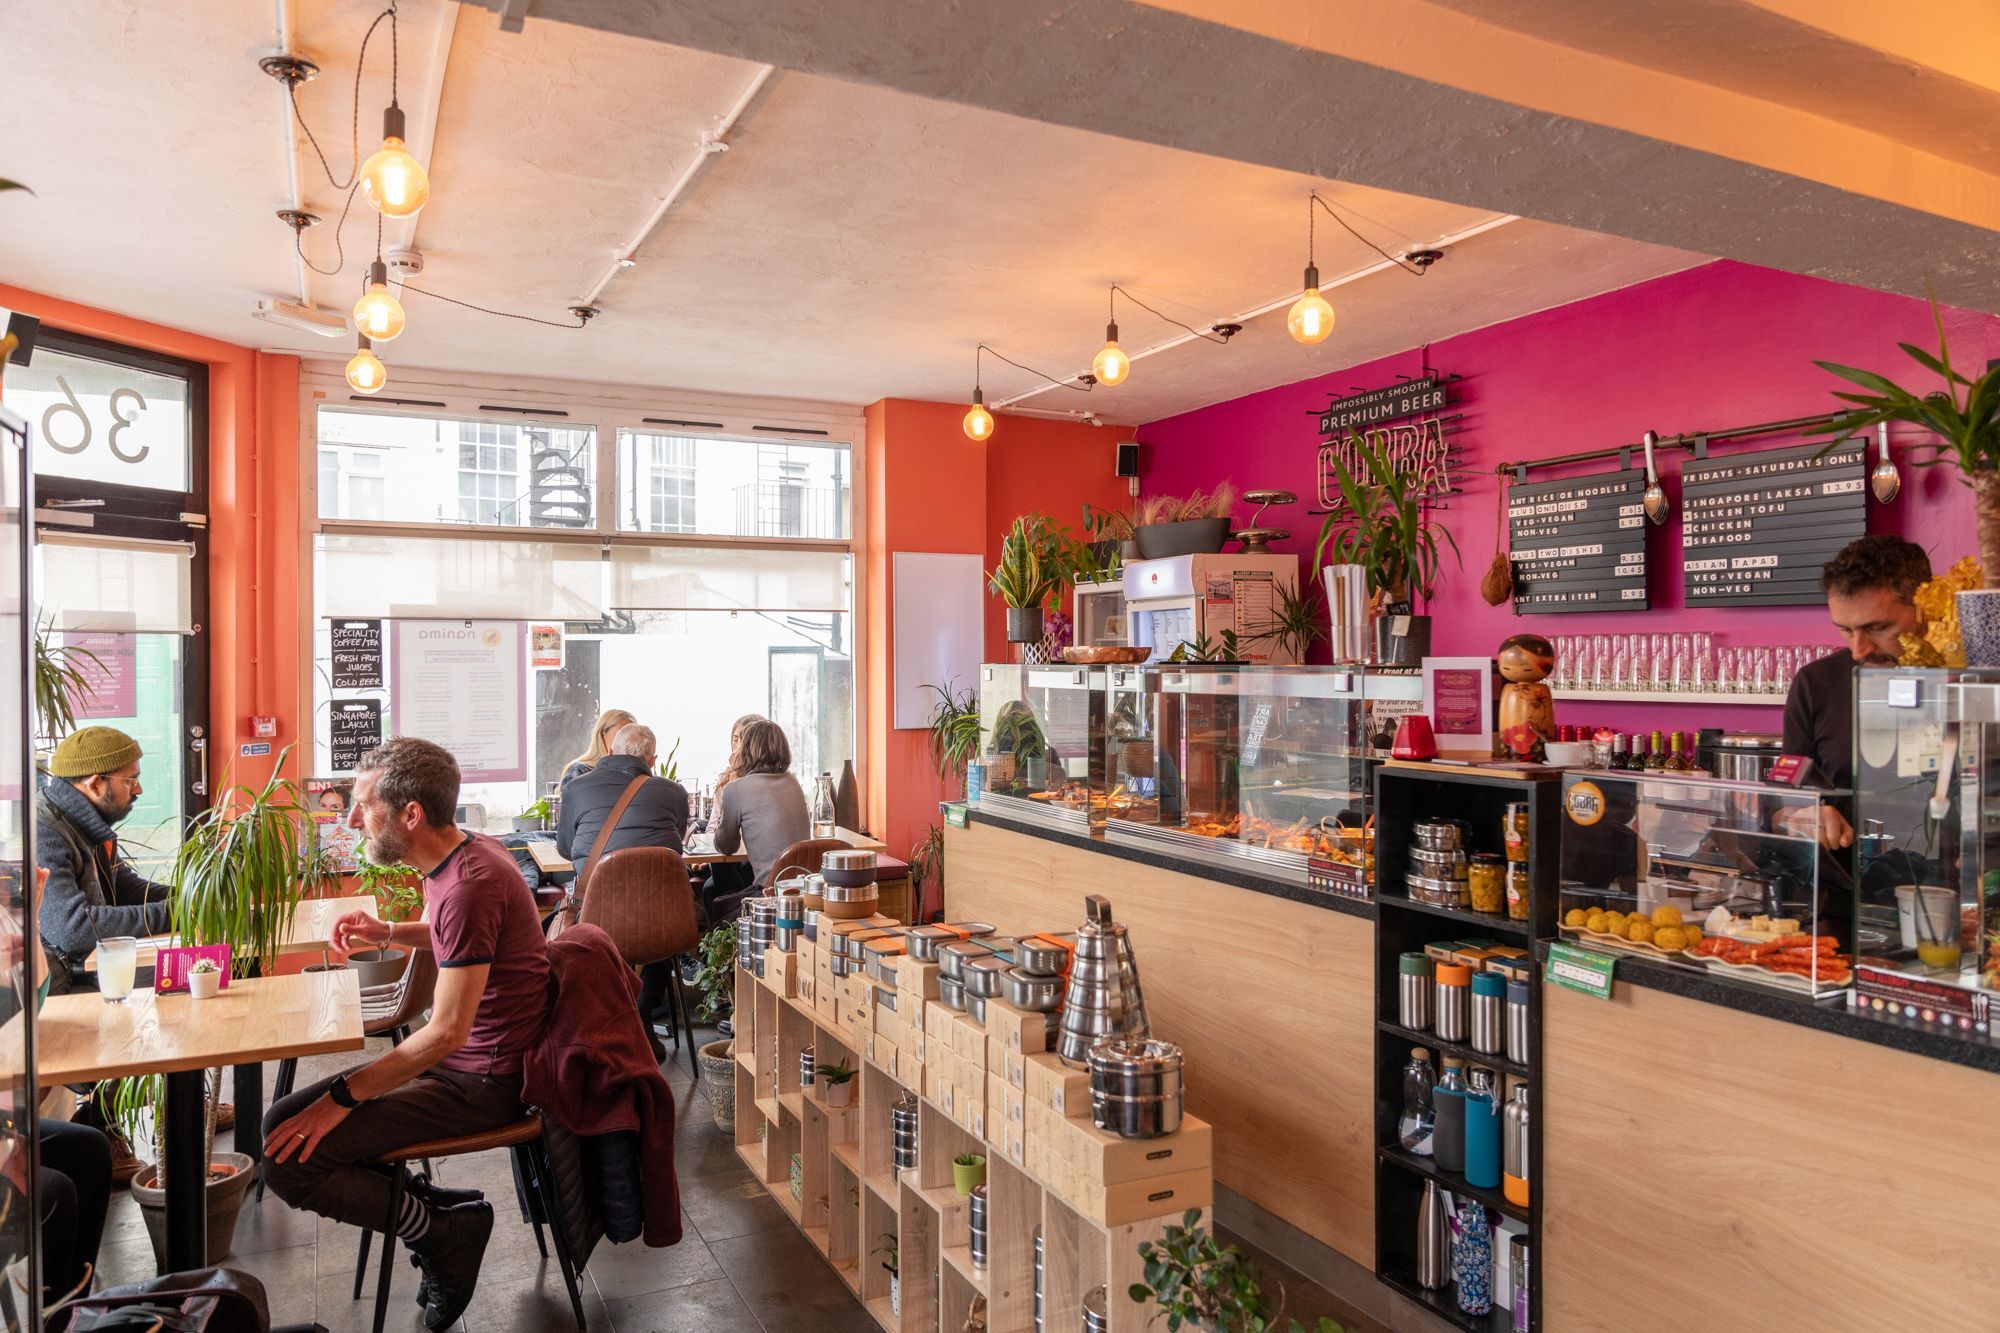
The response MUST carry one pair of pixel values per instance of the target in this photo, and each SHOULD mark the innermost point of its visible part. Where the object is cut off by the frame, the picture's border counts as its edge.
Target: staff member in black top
(1869, 589)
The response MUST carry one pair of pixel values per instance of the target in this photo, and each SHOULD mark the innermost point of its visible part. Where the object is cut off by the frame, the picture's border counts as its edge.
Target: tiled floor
(741, 1268)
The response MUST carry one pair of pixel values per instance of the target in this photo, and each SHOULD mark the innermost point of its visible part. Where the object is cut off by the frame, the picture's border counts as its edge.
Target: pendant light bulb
(394, 181)
(378, 314)
(1112, 365)
(1311, 317)
(978, 421)
(365, 372)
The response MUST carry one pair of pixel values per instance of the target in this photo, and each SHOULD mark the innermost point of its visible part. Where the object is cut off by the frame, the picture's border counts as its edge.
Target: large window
(519, 641)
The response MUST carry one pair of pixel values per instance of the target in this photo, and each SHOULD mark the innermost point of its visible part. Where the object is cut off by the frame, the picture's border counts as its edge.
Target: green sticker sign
(1580, 970)
(954, 814)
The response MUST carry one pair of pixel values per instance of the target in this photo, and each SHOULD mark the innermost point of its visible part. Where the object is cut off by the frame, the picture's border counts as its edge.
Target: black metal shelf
(1495, 1199)
(1506, 925)
(1442, 1304)
(1432, 1041)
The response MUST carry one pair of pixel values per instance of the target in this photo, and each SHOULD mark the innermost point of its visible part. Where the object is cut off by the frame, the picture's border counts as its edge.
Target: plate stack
(849, 890)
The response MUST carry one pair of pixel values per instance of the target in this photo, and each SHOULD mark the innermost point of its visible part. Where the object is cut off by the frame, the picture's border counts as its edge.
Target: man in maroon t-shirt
(458, 1074)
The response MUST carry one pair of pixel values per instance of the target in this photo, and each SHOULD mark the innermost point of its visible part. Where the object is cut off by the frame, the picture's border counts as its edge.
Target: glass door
(120, 461)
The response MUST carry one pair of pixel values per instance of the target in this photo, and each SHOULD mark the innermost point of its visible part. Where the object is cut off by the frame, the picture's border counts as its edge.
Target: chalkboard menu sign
(1579, 544)
(355, 729)
(1757, 527)
(357, 654)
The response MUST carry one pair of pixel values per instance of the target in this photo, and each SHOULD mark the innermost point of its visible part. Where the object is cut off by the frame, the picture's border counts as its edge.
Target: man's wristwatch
(341, 1096)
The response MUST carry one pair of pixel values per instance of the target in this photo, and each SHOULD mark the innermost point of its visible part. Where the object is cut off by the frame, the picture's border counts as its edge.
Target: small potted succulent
(968, 1172)
(1033, 567)
(204, 979)
(838, 1081)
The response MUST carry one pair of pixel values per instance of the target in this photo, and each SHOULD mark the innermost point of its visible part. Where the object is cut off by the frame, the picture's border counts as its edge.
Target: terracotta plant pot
(1194, 536)
(230, 1174)
(718, 1080)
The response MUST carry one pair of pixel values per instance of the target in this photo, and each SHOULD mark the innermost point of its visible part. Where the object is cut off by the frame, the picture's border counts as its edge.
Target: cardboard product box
(1017, 1029)
(889, 1027)
(1108, 1159)
(1138, 1200)
(969, 1039)
(780, 970)
(1514, 969)
(1013, 1107)
(976, 1122)
(937, 1020)
(1048, 1080)
(1440, 951)
(1474, 958)
(917, 978)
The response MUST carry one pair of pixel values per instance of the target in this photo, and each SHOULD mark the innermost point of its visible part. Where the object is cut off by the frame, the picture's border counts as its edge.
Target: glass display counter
(1264, 768)
(1728, 877)
(1042, 737)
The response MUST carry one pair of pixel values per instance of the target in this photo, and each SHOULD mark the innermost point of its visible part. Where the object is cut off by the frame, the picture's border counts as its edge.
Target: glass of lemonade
(117, 967)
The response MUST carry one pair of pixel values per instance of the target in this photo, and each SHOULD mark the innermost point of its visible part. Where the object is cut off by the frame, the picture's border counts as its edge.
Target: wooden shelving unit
(1405, 794)
(850, 1198)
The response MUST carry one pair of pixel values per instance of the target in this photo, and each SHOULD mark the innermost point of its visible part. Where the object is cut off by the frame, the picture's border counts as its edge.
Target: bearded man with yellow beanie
(93, 893)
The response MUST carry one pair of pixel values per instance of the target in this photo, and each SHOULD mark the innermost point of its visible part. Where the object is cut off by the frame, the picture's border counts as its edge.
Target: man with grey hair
(656, 816)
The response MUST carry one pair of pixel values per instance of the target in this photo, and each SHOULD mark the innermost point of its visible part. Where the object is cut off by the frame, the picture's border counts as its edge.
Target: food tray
(1620, 942)
(1789, 980)
(1105, 655)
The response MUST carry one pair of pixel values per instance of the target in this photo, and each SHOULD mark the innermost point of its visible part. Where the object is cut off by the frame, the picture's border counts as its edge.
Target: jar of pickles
(1517, 890)
(1516, 831)
(1487, 883)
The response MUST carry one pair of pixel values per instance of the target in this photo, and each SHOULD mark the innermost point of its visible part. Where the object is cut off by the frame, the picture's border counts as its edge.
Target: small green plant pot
(968, 1173)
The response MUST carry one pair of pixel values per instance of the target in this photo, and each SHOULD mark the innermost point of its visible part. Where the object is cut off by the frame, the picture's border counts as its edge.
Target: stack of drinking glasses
(1688, 661)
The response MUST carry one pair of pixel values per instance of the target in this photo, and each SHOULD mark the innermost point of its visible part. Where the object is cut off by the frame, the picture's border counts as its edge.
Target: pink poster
(112, 679)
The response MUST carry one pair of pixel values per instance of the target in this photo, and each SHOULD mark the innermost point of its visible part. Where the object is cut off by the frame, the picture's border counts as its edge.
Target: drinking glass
(1621, 661)
(1704, 671)
(1682, 650)
(1762, 669)
(1600, 662)
(1660, 662)
(117, 967)
(1636, 679)
(1726, 679)
(1788, 666)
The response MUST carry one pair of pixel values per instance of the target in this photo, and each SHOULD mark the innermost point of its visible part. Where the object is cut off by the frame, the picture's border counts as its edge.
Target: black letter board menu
(1757, 527)
(354, 730)
(357, 654)
(1579, 544)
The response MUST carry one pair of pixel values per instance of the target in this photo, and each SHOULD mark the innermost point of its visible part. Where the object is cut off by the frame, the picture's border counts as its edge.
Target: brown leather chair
(802, 857)
(641, 898)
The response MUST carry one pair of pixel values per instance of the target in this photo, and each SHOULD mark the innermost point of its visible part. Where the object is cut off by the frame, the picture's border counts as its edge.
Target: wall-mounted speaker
(1128, 459)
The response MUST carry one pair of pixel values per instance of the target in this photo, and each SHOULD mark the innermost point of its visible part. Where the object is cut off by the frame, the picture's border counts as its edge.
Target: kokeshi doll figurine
(1527, 708)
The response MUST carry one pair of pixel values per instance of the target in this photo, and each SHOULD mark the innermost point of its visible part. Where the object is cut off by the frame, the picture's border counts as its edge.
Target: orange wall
(255, 580)
(929, 488)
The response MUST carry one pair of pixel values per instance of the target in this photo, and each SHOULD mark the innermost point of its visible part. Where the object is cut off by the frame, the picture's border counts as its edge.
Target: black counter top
(1835, 1014)
(1241, 879)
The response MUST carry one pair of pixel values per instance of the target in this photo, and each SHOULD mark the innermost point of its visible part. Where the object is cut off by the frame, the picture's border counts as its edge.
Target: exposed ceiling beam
(1141, 71)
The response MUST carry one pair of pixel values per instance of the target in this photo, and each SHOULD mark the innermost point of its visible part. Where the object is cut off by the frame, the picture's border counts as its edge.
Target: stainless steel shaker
(1489, 1012)
(1413, 991)
(1517, 1022)
(1038, 1280)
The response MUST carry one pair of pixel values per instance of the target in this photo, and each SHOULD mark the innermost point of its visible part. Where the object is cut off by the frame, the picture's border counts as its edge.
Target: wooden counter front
(1708, 1168)
(1272, 1002)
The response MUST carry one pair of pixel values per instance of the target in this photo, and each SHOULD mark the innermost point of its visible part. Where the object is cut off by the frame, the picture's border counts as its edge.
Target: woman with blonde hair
(736, 769)
(608, 725)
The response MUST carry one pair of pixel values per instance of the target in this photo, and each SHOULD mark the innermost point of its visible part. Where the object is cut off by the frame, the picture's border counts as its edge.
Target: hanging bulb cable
(365, 371)
(1111, 365)
(978, 421)
(1310, 319)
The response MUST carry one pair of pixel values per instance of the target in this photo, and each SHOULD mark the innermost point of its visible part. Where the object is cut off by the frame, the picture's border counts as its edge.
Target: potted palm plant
(1032, 569)
(954, 734)
(1963, 417)
(60, 684)
(1380, 526)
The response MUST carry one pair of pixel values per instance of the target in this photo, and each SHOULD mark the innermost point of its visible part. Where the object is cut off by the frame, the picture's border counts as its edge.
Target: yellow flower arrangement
(1940, 645)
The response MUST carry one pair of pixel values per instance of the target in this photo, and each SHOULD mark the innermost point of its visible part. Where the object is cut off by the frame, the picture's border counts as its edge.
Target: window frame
(604, 409)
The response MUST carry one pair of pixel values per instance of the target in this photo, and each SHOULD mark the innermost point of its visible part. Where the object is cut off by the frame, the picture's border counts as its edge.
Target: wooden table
(311, 932)
(83, 1038)
(700, 851)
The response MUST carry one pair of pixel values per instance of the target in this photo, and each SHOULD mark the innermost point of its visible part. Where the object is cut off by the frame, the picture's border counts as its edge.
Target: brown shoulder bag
(571, 910)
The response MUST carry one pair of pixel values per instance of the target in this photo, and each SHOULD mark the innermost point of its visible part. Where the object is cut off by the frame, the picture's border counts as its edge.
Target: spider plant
(1033, 563)
(60, 684)
(1380, 526)
(243, 865)
(954, 732)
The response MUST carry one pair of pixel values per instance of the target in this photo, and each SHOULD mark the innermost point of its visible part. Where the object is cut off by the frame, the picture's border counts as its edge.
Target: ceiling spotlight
(978, 421)
(394, 181)
(378, 314)
(365, 372)
(310, 319)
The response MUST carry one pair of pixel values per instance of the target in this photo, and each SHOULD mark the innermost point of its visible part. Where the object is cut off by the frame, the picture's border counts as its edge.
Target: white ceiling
(854, 243)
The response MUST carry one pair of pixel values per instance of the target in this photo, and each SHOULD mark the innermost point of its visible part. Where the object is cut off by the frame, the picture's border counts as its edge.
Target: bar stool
(531, 1166)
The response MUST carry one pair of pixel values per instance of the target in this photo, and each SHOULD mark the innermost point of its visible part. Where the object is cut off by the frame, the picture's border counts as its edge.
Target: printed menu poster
(357, 654)
(1458, 695)
(353, 729)
(462, 683)
(545, 646)
(110, 674)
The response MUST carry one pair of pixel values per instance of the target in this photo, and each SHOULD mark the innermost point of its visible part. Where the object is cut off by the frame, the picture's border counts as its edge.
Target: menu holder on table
(172, 965)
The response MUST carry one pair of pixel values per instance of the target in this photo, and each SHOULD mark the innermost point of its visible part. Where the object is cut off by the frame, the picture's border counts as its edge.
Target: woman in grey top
(763, 809)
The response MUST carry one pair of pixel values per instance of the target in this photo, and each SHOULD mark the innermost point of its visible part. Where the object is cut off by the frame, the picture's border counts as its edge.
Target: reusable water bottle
(1414, 1128)
(1448, 1117)
(1482, 1132)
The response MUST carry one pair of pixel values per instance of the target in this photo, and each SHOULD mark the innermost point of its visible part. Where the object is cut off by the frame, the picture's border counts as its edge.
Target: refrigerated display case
(1258, 768)
(1700, 873)
(1042, 735)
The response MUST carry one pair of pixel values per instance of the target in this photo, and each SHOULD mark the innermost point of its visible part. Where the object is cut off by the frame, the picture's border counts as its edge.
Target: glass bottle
(1415, 1127)
(1656, 755)
(1676, 757)
(1635, 761)
(822, 807)
(1620, 752)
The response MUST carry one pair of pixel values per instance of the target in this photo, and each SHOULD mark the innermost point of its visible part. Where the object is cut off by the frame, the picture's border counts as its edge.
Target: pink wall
(1723, 345)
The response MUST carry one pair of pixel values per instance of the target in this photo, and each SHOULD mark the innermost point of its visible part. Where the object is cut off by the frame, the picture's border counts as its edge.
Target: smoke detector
(405, 264)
